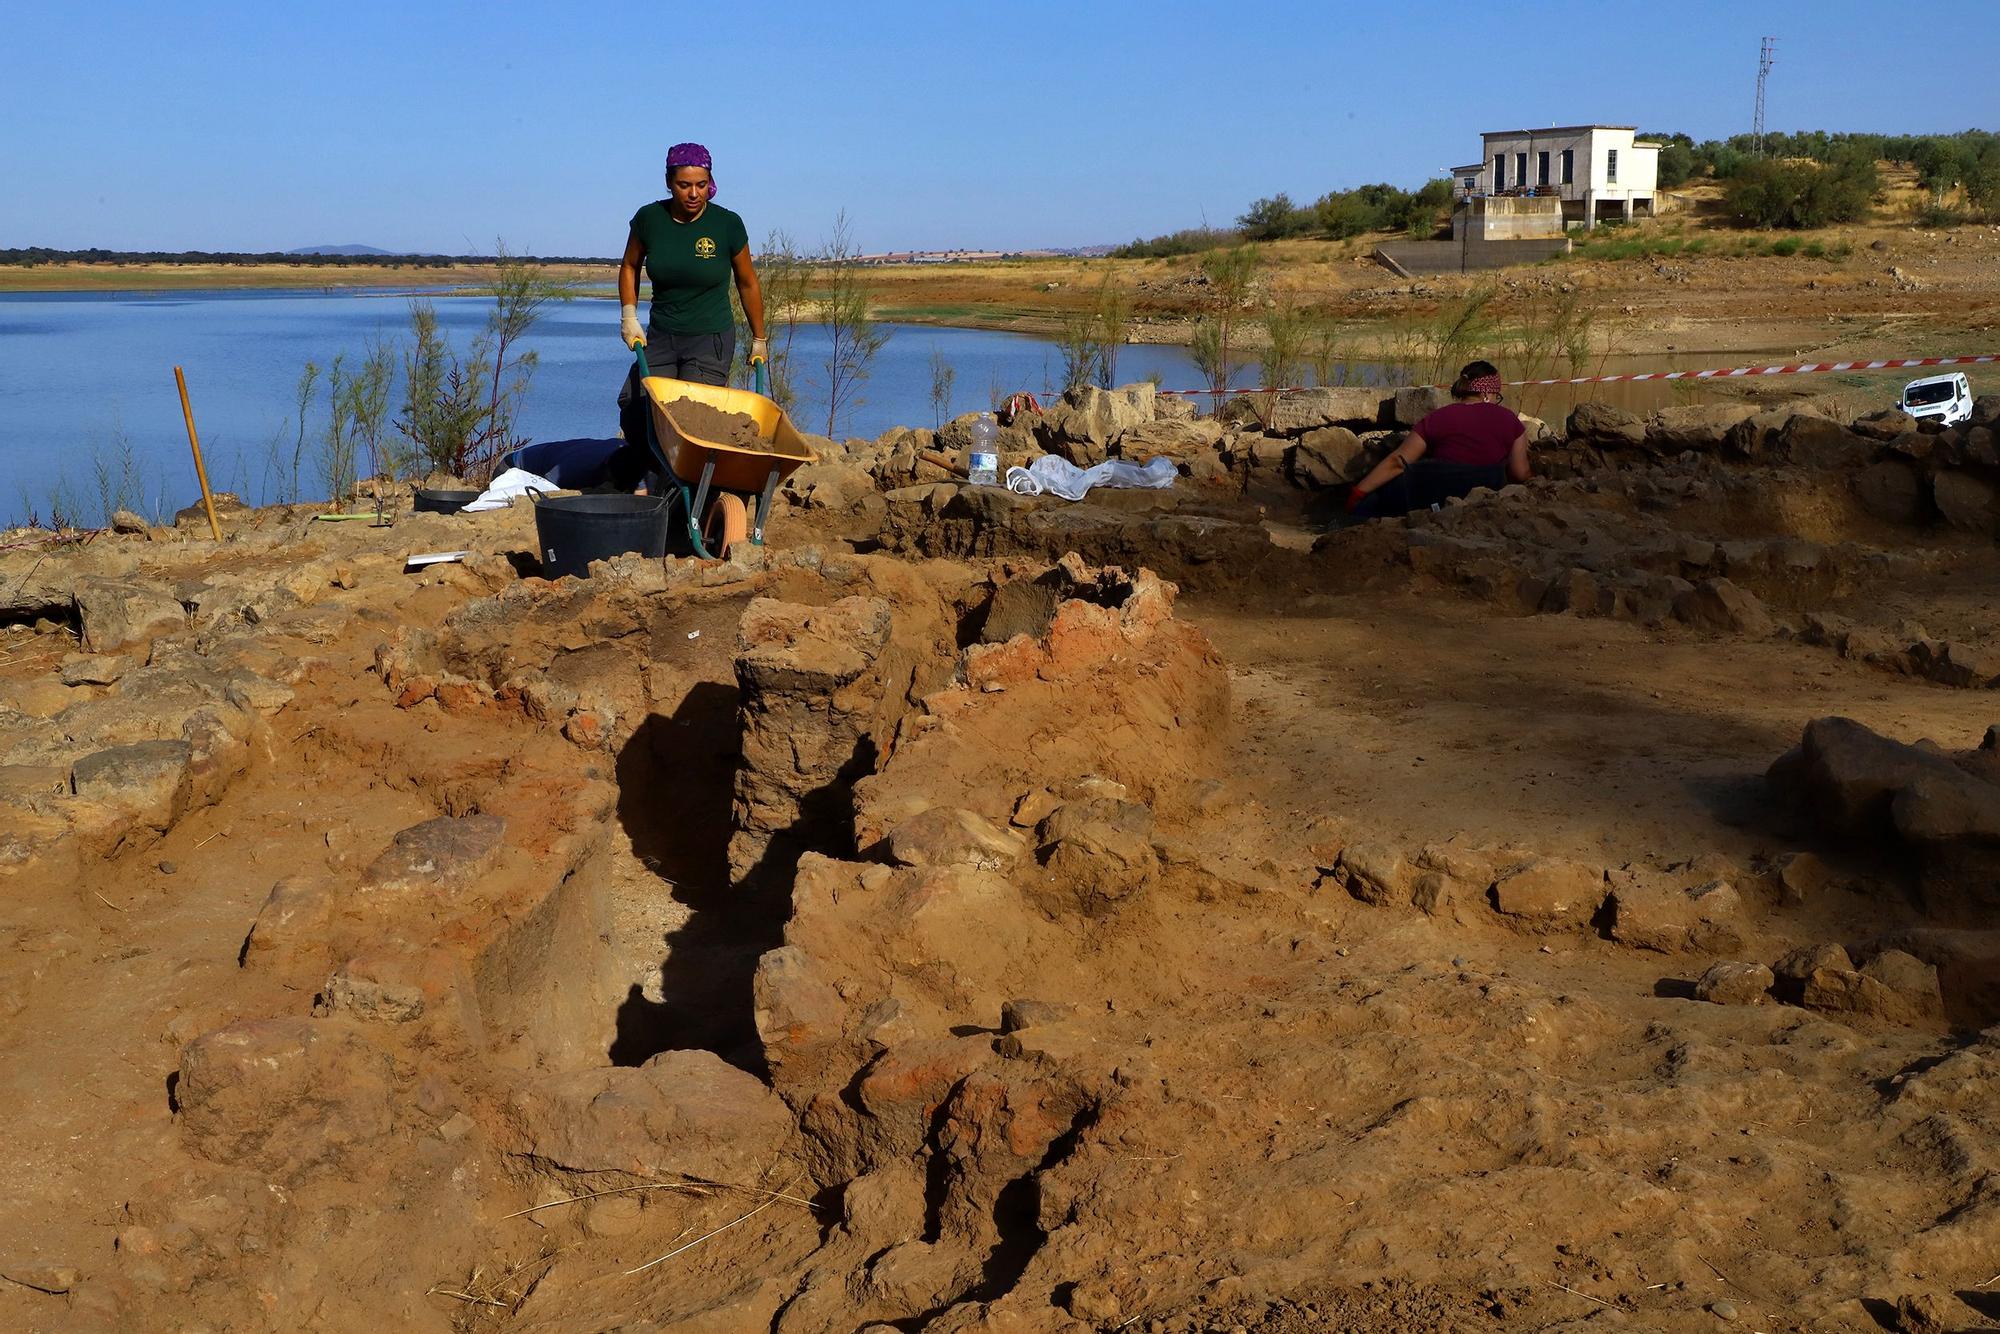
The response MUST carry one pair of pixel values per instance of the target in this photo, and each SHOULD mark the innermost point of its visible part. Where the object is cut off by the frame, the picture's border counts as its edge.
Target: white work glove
(630, 331)
(760, 350)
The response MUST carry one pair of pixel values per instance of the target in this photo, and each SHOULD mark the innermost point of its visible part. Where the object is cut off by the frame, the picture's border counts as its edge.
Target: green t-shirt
(689, 264)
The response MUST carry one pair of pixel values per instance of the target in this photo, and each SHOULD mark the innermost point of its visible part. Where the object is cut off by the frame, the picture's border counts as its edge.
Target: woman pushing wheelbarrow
(691, 247)
(676, 404)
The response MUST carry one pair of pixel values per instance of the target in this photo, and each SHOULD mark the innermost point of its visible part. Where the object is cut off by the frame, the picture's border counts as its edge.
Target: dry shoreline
(1893, 291)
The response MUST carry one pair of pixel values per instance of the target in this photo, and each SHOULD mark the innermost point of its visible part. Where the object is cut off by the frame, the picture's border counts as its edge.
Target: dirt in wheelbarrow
(713, 424)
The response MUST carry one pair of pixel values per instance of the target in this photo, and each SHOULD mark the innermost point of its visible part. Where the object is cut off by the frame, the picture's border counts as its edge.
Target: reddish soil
(898, 928)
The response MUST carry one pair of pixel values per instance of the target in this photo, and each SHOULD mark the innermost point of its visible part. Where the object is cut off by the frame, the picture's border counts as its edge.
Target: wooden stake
(194, 444)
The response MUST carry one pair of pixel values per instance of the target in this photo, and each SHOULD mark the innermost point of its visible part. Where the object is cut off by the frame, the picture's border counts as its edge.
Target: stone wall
(1467, 255)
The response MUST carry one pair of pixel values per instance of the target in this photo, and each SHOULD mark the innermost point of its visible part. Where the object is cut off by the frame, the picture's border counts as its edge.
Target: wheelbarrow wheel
(728, 523)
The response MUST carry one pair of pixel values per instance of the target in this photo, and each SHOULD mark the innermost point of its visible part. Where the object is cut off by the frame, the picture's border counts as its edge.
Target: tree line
(1813, 179)
(1805, 179)
(1336, 215)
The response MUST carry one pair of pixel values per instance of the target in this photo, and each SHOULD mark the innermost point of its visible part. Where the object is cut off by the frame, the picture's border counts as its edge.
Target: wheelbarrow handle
(762, 370)
(639, 354)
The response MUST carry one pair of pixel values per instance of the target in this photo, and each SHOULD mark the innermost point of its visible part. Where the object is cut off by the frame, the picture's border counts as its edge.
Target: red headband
(1485, 384)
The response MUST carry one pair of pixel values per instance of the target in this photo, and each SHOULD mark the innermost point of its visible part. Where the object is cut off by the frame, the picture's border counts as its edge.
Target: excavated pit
(1404, 932)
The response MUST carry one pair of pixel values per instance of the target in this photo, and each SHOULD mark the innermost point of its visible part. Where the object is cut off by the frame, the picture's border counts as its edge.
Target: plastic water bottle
(983, 469)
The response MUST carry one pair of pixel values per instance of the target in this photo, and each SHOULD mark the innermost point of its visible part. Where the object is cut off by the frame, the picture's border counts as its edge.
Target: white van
(1945, 399)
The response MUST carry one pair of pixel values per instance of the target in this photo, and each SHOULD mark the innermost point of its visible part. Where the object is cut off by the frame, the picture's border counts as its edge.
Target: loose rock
(1734, 983)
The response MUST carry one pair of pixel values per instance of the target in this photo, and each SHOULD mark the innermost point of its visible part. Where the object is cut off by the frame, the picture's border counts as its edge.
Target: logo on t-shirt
(704, 248)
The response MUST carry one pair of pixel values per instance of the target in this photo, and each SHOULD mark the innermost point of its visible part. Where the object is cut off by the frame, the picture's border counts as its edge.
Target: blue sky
(439, 127)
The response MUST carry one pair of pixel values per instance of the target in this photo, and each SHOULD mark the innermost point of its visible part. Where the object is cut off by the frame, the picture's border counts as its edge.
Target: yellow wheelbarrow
(716, 484)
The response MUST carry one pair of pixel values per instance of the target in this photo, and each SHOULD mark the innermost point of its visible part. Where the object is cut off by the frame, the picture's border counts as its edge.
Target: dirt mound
(704, 421)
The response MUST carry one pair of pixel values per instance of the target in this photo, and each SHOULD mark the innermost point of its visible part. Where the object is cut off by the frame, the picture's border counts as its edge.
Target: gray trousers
(702, 358)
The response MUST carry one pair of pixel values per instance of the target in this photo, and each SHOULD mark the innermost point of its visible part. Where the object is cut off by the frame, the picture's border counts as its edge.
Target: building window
(1520, 168)
(1471, 185)
(1611, 166)
(1569, 166)
(1542, 169)
(1499, 172)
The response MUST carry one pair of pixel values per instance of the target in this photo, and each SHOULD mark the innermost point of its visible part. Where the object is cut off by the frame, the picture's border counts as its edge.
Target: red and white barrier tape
(1804, 368)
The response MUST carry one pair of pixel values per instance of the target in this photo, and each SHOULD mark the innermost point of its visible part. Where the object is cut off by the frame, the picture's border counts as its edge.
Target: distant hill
(339, 250)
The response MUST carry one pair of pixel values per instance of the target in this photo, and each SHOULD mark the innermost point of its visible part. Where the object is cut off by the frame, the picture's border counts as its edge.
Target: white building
(1600, 172)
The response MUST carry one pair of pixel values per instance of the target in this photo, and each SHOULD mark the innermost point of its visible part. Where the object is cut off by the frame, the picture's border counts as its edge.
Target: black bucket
(431, 501)
(573, 531)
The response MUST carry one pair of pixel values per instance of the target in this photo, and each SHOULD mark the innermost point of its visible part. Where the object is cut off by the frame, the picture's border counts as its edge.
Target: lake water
(86, 379)
(84, 374)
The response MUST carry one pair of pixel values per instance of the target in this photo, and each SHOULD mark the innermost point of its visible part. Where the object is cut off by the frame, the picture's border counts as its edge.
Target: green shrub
(1275, 218)
(1187, 241)
(1798, 195)
(1787, 247)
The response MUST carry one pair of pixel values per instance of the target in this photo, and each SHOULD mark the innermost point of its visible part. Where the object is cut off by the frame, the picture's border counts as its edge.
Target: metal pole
(194, 443)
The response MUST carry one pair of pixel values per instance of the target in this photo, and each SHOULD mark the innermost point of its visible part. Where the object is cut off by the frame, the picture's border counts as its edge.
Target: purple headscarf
(691, 155)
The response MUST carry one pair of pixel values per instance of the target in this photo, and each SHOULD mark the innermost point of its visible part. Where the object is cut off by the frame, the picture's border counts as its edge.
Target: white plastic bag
(1057, 476)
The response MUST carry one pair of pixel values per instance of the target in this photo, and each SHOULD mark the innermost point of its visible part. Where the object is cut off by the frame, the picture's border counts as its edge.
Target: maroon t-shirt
(1470, 432)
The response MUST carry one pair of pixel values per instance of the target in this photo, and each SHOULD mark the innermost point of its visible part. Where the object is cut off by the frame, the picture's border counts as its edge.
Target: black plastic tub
(431, 501)
(573, 531)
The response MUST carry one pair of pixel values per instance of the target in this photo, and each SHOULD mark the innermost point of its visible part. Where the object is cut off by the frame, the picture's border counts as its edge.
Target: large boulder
(1329, 456)
(115, 614)
(1982, 447)
(1651, 911)
(1550, 894)
(1181, 441)
(1848, 776)
(838, 487)
(1413, 403)
(1938, 811)
(228, 505)
(1700, 427)
(447, 853)
(1894, 986)
(1969, 503)
(682, 1115)
(1606, 427)
(1886, 424)
(1815, 442)
(1953, 663)
(1732, 983)
(292, 924)
(1082, 425)
(1375, 873)
(1310, 409)
(1254, 449)
(1096, 853)
(142, 786)
(1894, 491)
(949, 836)
(1760, 431)
(1719, 604)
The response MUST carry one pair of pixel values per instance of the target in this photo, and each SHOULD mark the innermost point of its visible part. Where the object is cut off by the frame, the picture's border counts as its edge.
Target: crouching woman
(1473, 442)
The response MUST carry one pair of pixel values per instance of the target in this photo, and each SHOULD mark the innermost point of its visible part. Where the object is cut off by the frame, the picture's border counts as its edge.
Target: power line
(1767, 56)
